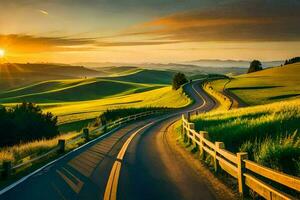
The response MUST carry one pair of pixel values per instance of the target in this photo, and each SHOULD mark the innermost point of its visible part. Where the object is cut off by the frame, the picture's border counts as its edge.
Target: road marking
(75, 187)
(53, 162)
(204, 100)
(112, 184)
(113, 180)
(9, 187)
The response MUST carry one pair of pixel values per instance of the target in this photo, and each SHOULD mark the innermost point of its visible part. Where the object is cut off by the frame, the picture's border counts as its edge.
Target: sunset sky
(70, 31)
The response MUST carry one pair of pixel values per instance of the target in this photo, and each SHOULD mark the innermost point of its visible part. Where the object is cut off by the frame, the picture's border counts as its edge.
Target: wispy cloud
(256, 20)
(29, 43)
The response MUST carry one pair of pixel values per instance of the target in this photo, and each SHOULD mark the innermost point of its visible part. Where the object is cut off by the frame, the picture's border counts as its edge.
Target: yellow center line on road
(112, 184)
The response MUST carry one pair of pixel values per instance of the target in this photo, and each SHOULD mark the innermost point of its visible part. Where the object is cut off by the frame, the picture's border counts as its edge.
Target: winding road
(133, 162)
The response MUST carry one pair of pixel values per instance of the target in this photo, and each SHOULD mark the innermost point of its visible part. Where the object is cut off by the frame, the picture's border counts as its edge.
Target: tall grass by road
(269, 133)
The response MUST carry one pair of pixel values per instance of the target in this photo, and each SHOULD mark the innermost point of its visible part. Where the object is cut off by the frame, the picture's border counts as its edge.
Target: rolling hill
(147, 76)
(266, 86)
(75, 100)
(89, 88)
(18, 75)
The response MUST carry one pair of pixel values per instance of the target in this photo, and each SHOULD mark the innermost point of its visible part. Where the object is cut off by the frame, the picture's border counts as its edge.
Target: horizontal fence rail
(8, 166)
(249, 175)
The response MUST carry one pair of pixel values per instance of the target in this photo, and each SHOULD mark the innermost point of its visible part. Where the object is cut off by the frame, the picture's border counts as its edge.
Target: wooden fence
(9, 166)
(248, 173)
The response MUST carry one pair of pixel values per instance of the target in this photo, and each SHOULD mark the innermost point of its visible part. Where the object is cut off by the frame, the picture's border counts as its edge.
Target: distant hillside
(87, 89)
(191, 70)
(147, 76)
(116, 71)
(266, 86)
(231, 63)
(17, 75)
(191, 67)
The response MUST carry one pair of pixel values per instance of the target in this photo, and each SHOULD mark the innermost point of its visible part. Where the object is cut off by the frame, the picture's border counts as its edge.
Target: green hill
(115, 71)
(18, 75)
(266, 86)
(72, 90)
(75, 100)
(147, 76)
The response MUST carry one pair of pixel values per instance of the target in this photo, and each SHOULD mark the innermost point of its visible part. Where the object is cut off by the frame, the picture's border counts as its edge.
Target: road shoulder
(220, 190)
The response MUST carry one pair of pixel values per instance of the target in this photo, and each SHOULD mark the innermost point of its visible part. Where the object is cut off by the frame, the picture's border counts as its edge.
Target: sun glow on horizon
(2, 53)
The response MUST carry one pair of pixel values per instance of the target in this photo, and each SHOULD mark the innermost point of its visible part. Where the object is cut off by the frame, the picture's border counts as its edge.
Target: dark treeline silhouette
(24, 123)
(292, 60)
(255, 66)
(178, 80)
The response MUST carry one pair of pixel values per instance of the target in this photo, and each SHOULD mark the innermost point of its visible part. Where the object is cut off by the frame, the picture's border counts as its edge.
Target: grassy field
(266, 86)
(14, 75)
(82, 110)
(269, 133)
(73, 90)
(75, 100)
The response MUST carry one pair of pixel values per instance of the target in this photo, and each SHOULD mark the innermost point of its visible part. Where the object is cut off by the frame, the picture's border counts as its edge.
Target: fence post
(241, 169)
(188, 116)
(7, 165)
(61, 146)
(191, 140)
(182, 124)
(86, 134)
(203, 134)
(219, 145)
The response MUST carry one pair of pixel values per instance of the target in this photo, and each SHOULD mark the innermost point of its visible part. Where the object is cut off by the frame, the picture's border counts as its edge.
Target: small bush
(26, 122)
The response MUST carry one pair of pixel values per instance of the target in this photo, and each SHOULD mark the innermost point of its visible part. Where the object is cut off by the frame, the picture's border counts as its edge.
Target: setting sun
(2, 53)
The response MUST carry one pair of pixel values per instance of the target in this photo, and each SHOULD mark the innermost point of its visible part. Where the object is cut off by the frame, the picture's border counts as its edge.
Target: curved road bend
(134, 162)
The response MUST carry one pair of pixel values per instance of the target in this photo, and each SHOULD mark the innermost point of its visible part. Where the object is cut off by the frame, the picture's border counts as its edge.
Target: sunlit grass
(81, 110)
(267, 86)
(34, 148)
(261, 130)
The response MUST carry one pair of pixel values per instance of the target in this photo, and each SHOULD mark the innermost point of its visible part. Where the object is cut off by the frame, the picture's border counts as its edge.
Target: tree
(24, 123)
(255, 66)
(178, 80)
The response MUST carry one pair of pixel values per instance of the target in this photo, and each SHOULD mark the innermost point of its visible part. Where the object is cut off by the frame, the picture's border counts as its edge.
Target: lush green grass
(147, 76)
(266, 86)
(81, 99)
(80, 110)
(15, 75)
(267, 132)
(73, 90)
(74, 126)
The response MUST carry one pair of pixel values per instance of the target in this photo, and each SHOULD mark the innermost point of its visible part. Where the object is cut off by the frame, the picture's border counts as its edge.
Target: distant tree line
(24, 123)
(292, 60)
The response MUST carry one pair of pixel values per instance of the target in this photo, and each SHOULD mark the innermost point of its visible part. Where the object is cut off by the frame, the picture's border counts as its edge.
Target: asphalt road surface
(134, 162)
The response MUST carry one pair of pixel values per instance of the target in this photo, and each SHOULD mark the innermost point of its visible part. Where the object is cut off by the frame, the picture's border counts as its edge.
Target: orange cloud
(32, 44)
(256, 20)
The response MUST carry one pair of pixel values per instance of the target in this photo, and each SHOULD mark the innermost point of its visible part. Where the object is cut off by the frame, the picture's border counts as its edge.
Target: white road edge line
(50, 163)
